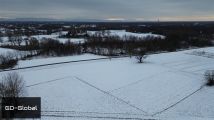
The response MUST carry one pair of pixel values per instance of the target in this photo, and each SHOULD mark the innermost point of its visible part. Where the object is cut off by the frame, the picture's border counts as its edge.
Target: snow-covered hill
(123, 33)
(167, 86)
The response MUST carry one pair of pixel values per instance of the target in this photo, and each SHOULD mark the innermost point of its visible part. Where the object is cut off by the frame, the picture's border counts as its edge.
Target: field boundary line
(49, 81)
(107, 93)
(173, 105)
(59, 63)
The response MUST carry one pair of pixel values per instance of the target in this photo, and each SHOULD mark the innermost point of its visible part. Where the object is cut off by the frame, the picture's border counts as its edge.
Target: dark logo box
(22, 107)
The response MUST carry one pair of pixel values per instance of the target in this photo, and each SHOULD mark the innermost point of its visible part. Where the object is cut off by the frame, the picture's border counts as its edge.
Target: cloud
(115, 19)
(104, 9)
(187, 18)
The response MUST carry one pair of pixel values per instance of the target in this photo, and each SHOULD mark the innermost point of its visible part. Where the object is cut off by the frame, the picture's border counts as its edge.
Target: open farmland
(106, 60)
(167, 85)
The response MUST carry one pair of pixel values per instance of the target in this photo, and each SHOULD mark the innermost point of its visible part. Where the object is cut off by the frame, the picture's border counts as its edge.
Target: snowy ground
(5, 50)
(167, 86)
(123, 33)
(73, 40)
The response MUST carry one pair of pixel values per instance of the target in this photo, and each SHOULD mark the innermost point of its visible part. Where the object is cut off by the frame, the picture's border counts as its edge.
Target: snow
(4, 39)
(17, 53)
(52, 36)
(56, 37)
(40, 37)
(73, 40)
(5, 50)
(202, 106)
(41, 61)
(123, 88)
(66, 26)
(122, 33)
(60, 33)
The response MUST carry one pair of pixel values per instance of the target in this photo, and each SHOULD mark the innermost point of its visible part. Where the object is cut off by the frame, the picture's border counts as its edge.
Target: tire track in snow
(94, 114)
(107, 93)
(90, 112)
(98, 117)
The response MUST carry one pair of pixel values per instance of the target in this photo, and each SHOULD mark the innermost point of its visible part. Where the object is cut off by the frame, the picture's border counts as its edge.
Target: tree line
(111, 45)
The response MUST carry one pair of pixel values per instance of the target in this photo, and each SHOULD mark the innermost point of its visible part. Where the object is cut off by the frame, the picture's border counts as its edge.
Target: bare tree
(209, 76)
(12, 85)
(140, 55)
(1, 35)
(141, 58)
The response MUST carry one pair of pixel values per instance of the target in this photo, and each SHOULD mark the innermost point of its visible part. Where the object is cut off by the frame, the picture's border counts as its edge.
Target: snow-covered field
(123, 33)
(167, 86)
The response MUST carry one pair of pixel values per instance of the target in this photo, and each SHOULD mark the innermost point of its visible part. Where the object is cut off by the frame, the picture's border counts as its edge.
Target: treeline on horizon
(177, 37)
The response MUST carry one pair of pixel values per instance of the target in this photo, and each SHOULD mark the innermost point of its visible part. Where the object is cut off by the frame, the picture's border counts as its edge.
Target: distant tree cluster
(48, 47)
(114, 45)
(8, 60)
(53, 47)
(75, 33)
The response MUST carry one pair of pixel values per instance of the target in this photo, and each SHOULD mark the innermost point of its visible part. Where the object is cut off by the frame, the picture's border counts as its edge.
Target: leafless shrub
(209, 76)
(141, 58)
(140, 55)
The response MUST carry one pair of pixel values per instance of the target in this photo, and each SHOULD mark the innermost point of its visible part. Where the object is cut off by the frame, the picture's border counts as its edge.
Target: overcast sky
(109, 9)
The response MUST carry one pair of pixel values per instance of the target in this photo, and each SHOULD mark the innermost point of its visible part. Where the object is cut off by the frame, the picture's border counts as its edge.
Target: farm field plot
(165, 86)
